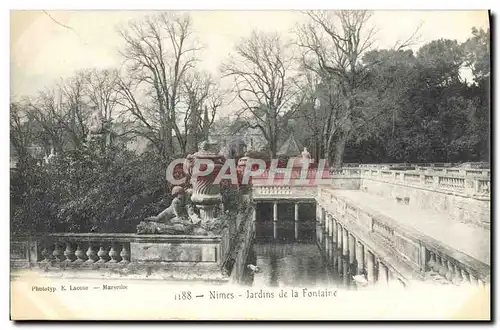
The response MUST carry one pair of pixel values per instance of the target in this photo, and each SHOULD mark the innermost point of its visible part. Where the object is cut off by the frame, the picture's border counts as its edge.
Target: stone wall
(242, 247)
(345, 183)
(466, 209)
(165, 257)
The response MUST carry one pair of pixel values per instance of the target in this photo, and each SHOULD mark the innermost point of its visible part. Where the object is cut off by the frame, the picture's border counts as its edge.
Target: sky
(43, 51)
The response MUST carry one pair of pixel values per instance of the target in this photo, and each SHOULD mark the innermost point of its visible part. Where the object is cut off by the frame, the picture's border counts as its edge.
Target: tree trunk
(206, 124)
(339, 151)
(192, 136)
(168, 148)
(272, 145)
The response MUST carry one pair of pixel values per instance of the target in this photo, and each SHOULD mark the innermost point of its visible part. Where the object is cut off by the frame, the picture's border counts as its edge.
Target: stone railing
(416, 250)
(345, 171)
(176, 257)
(116, 249)
(468, 186)
(463, 172)
(436, 166)
(444, 168)
(463, 183)
(362, 254)
(282, 192)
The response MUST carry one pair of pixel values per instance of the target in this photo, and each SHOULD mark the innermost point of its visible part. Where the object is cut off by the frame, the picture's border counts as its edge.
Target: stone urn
(206, 194)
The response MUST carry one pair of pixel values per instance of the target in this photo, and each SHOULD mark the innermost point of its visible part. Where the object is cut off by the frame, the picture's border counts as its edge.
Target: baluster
(80, 254)
(442, 269)
(113, 254)
(125, 254)
(465, 276)
(91, 254)
(58, 253)
(69, 253)
(449, 273)
(473, 279)
(432, 261)
(47, 253)
(457, 276)
(383, 276)
(102, 254)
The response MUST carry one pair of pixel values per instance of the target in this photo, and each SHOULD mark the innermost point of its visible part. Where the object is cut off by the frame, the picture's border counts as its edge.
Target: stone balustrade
(177, 257)
(446, 169)
(118, 249)
(360, 253)
(261, 192)
(479, 166)
(461, 181)
(405, 254)
(468, 186)
(345, 171)
(464, 172)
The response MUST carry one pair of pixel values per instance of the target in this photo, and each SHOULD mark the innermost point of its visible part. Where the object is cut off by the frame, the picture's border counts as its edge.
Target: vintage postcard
(250, 165)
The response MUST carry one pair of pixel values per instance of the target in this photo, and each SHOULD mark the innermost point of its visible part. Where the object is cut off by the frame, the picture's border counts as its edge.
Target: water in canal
(290, 253)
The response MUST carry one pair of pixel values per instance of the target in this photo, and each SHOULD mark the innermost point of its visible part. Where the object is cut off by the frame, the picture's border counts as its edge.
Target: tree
(203, 98)
(100, 88)
(333, 45)
(21, 132)
(428, 112)
(62, 113)
(262, 71)
(159, 53)
(477, 54)
(309, 114)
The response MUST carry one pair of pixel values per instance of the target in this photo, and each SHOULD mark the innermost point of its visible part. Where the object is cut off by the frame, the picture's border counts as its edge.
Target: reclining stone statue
(175, 219)
(179, 218)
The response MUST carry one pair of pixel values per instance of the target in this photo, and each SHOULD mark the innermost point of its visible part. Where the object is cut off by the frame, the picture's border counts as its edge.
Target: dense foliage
(84, 190)
(415, 106)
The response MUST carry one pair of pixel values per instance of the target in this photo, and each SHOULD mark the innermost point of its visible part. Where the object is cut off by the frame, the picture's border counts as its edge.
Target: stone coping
(419, 186)
(137, 271)
(123, 237)
(274, 198)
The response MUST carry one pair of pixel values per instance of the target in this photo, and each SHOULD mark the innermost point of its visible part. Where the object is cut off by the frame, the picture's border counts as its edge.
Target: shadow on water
(289, 253)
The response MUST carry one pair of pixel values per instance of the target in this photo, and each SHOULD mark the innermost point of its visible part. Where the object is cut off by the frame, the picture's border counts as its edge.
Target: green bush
(87, 190)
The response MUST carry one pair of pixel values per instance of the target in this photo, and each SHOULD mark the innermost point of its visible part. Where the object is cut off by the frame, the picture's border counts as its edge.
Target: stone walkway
(466, 238)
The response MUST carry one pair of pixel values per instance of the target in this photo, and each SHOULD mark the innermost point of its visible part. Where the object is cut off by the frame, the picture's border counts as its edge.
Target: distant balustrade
(345, 171)
(439, 168)
(472, 186)
(479, 166)
(287, 192)
(458, 181)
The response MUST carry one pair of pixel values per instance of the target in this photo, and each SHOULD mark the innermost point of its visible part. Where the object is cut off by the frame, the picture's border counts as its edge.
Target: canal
(291, 253)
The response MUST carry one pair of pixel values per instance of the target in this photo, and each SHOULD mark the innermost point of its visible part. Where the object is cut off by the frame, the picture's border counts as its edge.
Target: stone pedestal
(174, 252)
